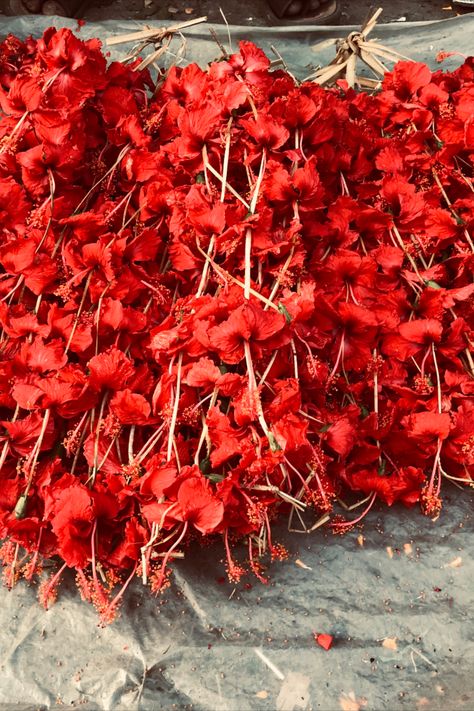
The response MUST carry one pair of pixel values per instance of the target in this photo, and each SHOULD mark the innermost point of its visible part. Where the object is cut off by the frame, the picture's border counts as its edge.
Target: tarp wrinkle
(408, 580)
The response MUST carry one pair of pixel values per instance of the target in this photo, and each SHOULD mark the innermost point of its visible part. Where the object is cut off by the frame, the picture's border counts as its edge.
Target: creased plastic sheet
(397, 596)
(417, 40)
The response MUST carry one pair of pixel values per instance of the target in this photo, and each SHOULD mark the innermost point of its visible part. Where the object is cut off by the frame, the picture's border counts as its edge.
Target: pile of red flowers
(225, 297)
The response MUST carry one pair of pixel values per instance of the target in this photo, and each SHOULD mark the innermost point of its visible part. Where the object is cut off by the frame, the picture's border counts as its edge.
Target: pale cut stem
(174, 415)
(255, 395)
(6, 446)
(227, 276)
(452, 210)
(80, 423)
(456, 478)
(148, 446)
(97, 318)
(169, 552)
(340, 355)
(205, 162)
(120, 594)
(470, 360)
(120, 156)
(248, 231)
(348, 524)
(143, 549)
(268, 368)
(107, 452)
(256, 192)
(12, 291)
(126, 198)
(205, 428)
(436, 469)
(131, 437)
(248, 254)
(376, 396)
(295, 358)
(205, 271)
(15, 131)
(252, 103)
(438, 380)
(52, 187)
(21, 503)
(404, 249)
(280, 276)
(233, 192)
(76, 456)
(37, 447)
(97, 436)
(225, 164)
(79, 311)
(55, 578)
(376, 385)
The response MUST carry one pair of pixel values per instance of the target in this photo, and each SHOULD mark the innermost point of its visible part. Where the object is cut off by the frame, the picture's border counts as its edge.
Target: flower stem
(169, 552)
(248, 231)
(174, 415)
(349, 524)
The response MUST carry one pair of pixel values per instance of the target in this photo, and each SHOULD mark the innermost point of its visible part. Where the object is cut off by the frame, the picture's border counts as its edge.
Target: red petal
(324, 640)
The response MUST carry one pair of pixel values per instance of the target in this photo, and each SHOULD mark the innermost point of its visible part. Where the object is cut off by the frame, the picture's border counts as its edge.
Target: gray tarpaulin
(418, 40)
(397, 596)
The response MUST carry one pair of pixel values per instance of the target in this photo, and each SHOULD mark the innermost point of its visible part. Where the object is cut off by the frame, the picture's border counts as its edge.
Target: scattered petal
(324, 640)
(456, 563)
(300, 564)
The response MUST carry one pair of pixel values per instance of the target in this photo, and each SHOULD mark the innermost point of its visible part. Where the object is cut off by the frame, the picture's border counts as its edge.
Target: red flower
(408, 78)
(199, 506)
(111, 369)
(71, 514)
(248, 323)
(413, 337)
(266, 132)
(130, 408)
(404, 485)
(222, 296)
(24, 94)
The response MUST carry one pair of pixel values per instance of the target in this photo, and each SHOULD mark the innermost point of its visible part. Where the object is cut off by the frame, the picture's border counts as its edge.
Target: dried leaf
(154, 34)
(367, 83)
(373, 62)
(390, 643)
(262, 694)
(456, 563)
(350, 70)
(407, 547)
(371, 22)
(324, 44)
(349, 702)
(389, 551)
(300, 564)
(330, 73)
(360, 539)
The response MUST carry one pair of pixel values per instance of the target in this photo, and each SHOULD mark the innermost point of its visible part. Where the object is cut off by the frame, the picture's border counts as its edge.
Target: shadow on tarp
(207, 646)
